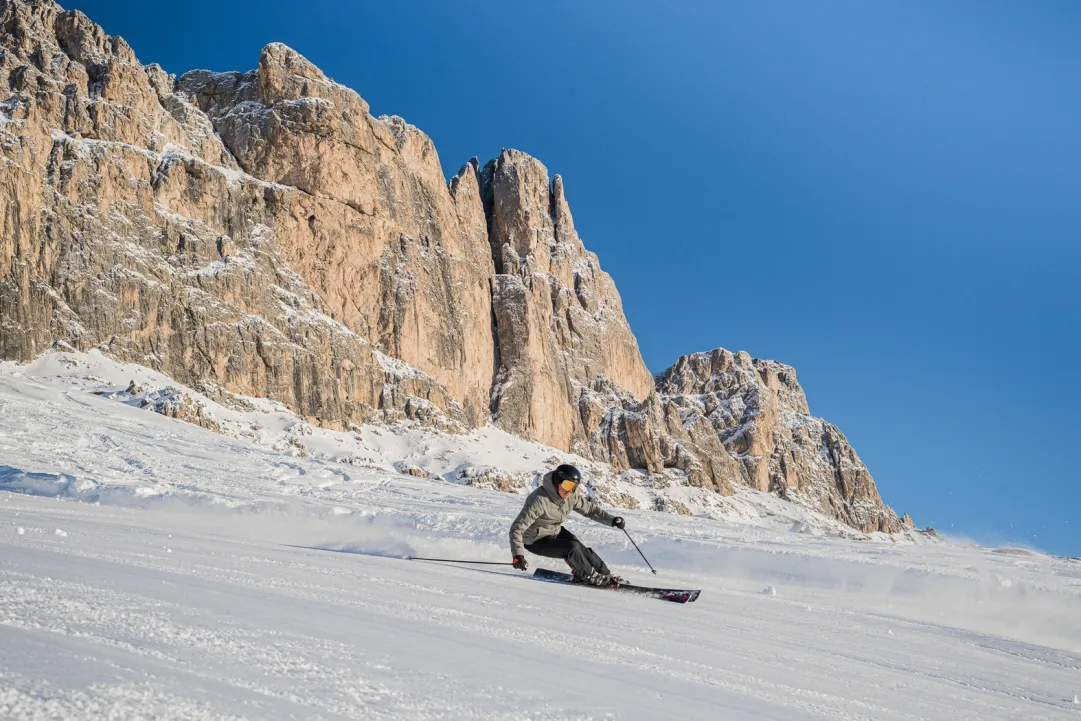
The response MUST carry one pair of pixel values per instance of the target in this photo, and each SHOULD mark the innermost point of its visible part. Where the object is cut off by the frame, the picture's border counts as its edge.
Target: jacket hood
(549, 485)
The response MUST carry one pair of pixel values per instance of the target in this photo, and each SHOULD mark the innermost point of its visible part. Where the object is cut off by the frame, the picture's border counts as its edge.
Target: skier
(539, 527)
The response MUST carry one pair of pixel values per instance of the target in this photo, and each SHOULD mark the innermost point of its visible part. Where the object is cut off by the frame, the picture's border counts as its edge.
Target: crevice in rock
(497, 360)
(356, 206)
(487, 199)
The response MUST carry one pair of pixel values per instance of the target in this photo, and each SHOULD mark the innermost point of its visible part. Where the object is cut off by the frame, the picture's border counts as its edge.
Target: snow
(170, 153)
(396, 367)
(153, 568)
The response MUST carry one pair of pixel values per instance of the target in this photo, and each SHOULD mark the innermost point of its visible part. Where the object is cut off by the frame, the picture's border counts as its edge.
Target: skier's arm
(529, 514)
(592, 511)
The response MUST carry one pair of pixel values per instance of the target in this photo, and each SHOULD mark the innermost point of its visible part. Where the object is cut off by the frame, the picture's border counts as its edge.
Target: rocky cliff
(129, 225)
(559, 320)
(758, 413)
(260, 232)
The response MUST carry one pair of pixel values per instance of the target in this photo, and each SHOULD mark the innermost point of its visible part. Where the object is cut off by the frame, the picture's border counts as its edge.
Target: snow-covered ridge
(486, 457)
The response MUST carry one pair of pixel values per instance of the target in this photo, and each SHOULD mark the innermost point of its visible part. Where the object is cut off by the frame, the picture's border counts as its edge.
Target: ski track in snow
(150, 568)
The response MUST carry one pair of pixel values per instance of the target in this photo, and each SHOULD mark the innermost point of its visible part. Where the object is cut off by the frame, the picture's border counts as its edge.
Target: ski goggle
(568, 486)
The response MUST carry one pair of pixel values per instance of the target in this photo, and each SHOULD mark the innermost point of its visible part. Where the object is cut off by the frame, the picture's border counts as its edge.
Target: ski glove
(618, 522)
(520, 563)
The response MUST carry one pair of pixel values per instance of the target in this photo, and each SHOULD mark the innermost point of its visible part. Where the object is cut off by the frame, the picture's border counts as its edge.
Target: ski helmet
(566, 472)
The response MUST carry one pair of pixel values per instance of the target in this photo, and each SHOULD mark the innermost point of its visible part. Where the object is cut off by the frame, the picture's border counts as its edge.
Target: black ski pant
(565, 545)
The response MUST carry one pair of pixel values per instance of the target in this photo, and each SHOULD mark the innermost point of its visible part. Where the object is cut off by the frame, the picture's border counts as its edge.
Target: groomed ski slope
(153, 569)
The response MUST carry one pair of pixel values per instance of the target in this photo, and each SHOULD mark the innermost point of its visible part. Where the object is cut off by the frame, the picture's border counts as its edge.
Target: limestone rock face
(559, 319)
(127, 225)
(758, 412)
(371, 226)
(654, 435)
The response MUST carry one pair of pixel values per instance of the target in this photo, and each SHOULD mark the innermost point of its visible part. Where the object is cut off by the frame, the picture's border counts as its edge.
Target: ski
(667, 594)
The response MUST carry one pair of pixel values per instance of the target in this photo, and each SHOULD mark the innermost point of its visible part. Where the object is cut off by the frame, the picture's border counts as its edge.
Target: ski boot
(599, 580)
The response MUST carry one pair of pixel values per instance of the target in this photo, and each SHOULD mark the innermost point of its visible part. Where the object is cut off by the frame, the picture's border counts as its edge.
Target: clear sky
(885, 195)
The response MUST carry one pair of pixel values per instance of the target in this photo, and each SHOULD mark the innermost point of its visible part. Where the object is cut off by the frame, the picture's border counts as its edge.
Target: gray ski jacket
(544, 513)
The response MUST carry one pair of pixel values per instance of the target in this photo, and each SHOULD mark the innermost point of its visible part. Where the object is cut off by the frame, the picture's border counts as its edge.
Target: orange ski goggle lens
(568, 486)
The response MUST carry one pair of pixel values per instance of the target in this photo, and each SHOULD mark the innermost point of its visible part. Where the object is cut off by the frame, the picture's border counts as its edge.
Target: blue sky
(883, 194)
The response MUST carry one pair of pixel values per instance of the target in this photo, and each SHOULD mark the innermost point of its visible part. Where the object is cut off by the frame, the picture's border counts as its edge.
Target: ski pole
(640, 552)
(458, 560)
